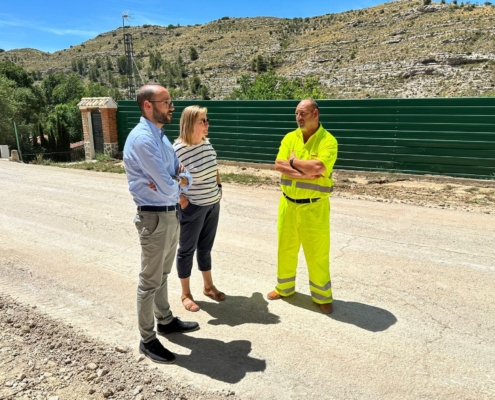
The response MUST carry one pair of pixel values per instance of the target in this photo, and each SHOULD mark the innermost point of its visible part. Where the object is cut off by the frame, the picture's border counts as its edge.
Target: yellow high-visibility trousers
(309, 225)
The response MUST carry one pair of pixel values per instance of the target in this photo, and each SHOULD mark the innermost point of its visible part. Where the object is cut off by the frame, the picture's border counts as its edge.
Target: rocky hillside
(397, 49)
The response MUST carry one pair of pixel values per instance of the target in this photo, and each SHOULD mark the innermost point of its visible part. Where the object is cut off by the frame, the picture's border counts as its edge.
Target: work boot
(326, 308)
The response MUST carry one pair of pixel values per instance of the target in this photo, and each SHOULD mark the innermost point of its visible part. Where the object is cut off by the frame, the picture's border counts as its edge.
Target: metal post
(17, 138)
(129, 57)
(130, 67)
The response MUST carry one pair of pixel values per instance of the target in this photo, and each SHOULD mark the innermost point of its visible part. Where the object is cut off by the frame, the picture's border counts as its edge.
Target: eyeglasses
(168, 103)
(205, 121)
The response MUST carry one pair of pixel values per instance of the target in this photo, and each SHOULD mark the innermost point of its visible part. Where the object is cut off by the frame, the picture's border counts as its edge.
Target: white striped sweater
(201, 161)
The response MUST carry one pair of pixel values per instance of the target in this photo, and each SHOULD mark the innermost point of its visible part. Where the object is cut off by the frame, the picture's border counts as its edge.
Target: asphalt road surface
(414, 289)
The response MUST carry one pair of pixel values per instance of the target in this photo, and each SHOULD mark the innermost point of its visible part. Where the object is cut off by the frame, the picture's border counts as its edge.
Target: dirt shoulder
(43, 359)
(432, 191)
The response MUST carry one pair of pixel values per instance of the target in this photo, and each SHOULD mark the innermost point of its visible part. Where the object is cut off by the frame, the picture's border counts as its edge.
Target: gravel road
(414, 308)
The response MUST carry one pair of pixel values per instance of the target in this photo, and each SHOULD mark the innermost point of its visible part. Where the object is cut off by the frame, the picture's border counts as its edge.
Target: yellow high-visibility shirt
(321, 146)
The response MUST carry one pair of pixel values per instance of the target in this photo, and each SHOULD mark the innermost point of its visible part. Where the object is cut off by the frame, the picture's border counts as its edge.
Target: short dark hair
(146, 92)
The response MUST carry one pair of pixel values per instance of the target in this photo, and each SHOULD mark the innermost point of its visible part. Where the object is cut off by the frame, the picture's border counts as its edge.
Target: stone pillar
(88, 134)
(110, 139)
(108, 111)
(14, 155)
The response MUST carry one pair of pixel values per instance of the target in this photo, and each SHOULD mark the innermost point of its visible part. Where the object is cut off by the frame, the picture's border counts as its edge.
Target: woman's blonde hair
(188, 119)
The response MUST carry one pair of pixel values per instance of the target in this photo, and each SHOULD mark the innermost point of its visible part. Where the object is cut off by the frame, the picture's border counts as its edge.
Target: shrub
(39, 159)
(102, 157)
(193, 53)
(269, 86)
(258, 64)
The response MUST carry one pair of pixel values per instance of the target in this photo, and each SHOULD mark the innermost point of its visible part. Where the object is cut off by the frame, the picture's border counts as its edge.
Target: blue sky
(55, 25)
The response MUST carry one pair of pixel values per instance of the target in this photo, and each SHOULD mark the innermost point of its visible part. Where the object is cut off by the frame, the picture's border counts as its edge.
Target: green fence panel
(454, 136)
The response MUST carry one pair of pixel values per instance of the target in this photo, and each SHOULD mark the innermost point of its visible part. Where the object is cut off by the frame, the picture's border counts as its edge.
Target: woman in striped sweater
(200, 204)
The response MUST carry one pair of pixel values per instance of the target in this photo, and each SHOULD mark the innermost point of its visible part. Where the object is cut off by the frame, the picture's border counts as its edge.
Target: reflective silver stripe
(286, 182)
(323, 288)
(287, 291)
(286, 280)
(312, 186)
(321, 297)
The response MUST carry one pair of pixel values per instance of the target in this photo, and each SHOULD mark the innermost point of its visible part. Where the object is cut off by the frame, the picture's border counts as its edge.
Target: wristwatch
(291, 162)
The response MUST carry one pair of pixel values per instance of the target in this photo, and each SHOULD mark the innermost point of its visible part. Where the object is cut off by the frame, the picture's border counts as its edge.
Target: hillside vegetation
(397, 49)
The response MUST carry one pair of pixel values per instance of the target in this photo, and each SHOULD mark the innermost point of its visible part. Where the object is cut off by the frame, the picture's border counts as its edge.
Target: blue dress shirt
(149, 157)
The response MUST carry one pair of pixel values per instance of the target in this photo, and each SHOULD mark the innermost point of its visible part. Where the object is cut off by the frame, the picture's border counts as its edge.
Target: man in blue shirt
(150, 158)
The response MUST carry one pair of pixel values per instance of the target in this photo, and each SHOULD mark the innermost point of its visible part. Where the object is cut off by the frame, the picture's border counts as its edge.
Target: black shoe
(177, 326)
(156, 352)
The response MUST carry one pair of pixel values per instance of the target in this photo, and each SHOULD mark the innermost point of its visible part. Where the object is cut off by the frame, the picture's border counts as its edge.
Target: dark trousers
(198, 227)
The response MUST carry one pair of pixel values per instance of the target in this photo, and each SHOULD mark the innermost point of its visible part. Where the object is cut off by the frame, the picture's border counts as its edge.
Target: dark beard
(161, 117)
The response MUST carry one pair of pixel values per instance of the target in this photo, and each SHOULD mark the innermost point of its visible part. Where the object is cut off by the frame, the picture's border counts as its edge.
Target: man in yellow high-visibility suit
(305, 159)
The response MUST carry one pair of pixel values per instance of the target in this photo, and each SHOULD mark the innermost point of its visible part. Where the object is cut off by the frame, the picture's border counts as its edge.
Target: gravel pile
(43, 359)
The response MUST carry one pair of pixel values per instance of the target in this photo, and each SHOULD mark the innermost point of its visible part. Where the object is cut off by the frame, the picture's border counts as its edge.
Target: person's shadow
(364, 316)
(227, 362)
(249, 310)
